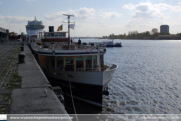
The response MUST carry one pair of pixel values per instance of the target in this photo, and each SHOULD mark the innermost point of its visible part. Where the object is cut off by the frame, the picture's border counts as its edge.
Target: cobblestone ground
(9, 78)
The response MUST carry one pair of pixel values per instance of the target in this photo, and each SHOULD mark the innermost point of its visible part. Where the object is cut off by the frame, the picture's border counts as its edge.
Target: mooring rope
(73, 100)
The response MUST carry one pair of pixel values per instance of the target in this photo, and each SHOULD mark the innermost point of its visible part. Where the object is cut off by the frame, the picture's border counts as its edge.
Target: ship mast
(68, 26)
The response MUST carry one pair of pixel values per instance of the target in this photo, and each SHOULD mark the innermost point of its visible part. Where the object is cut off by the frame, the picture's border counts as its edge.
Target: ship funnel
(51, 28)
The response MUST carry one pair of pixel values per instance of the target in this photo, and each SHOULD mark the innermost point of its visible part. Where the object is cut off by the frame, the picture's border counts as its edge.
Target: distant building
(4, 34)
(164, 29)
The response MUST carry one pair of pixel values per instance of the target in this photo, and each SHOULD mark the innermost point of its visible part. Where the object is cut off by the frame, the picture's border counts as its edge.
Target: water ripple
(147, 80)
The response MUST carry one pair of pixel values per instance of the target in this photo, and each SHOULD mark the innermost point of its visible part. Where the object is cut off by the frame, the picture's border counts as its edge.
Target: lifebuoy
(79, 69)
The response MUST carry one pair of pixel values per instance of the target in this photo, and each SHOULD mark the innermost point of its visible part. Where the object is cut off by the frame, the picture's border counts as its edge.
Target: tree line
(14, 36)
(144, 35)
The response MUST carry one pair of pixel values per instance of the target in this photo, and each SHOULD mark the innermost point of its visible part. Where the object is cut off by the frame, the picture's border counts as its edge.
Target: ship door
(52, 62)
(88, 63)
(69, 66)
(59, 63)
(79, 63)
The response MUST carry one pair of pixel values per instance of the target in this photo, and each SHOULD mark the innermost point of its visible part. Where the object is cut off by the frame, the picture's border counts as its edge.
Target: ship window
(47, 35)
(52, 62)
(95, 61)
(59, 63)
(88, 63)
(79, 63)
(69, 66)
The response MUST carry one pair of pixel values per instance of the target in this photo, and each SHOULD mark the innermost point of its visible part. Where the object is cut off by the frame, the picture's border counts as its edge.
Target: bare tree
(154, 31)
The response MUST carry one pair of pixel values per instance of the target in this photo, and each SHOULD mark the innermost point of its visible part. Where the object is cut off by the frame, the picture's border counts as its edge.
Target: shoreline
(139, 39)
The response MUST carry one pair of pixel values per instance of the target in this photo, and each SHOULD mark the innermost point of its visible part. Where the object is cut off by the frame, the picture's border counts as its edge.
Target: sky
(93, 18)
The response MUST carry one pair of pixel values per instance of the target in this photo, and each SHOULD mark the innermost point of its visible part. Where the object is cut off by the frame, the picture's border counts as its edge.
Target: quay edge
(32, 98)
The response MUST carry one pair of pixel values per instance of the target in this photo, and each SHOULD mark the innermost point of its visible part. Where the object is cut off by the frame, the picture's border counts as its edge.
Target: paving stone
(4, 91)
(4, 102)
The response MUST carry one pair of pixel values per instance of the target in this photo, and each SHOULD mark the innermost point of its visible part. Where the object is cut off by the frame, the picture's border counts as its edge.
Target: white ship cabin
(73, 63)
(77, 58)
(55, 34)
(55, 53)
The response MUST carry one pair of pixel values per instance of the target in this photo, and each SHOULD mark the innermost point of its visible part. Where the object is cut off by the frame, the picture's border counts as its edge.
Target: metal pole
(69, 30)
(99, 58)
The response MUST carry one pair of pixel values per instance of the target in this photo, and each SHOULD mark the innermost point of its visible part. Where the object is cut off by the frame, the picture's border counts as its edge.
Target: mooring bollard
(21, 58)
(58, 92)
(22, 48)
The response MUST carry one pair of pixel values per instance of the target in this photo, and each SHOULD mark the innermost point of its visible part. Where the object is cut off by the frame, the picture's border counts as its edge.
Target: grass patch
(15, 75)
(12, 83)
(13, 57)
(15, 81)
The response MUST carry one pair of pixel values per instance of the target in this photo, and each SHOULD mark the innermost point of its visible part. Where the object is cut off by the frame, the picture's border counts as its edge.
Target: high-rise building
(164, 29)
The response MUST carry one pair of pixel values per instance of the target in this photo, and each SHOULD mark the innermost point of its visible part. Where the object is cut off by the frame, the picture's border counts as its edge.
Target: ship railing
(71, 47)
(66, 48)
(108, 66)
(90, 45)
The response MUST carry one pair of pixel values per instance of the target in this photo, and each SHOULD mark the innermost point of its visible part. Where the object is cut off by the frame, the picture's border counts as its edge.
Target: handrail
(108, 68)
(73, 46)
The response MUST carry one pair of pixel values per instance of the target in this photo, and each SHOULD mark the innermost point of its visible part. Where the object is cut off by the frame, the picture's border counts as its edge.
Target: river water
(148, 79)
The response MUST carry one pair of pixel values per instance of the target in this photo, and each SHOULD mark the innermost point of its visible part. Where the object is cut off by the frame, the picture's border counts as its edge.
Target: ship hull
(89, 91)
(87, 86)
(84, 92)
(113, 45)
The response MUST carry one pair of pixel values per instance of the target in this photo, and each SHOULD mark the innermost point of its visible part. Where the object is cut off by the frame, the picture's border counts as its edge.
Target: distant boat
(112, 44)
(108, 44)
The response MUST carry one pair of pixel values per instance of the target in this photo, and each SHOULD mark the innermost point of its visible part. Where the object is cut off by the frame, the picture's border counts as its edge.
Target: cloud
(162, 7)
(1, 17)
(101, 23)
(130, 6)
(177, 9)
(144, 12)
(143, 6)
(57, 15)
(31, 0)
(83, 13)
(86, 12)
(148, 10)
(14, 23)
(108, 15)
(148, 7)
(14, 19)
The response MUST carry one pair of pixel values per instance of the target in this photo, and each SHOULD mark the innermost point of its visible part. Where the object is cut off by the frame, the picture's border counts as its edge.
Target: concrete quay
(35, 95)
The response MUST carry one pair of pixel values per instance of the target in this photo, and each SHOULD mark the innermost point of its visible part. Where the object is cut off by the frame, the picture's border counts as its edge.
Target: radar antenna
(68, 15)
